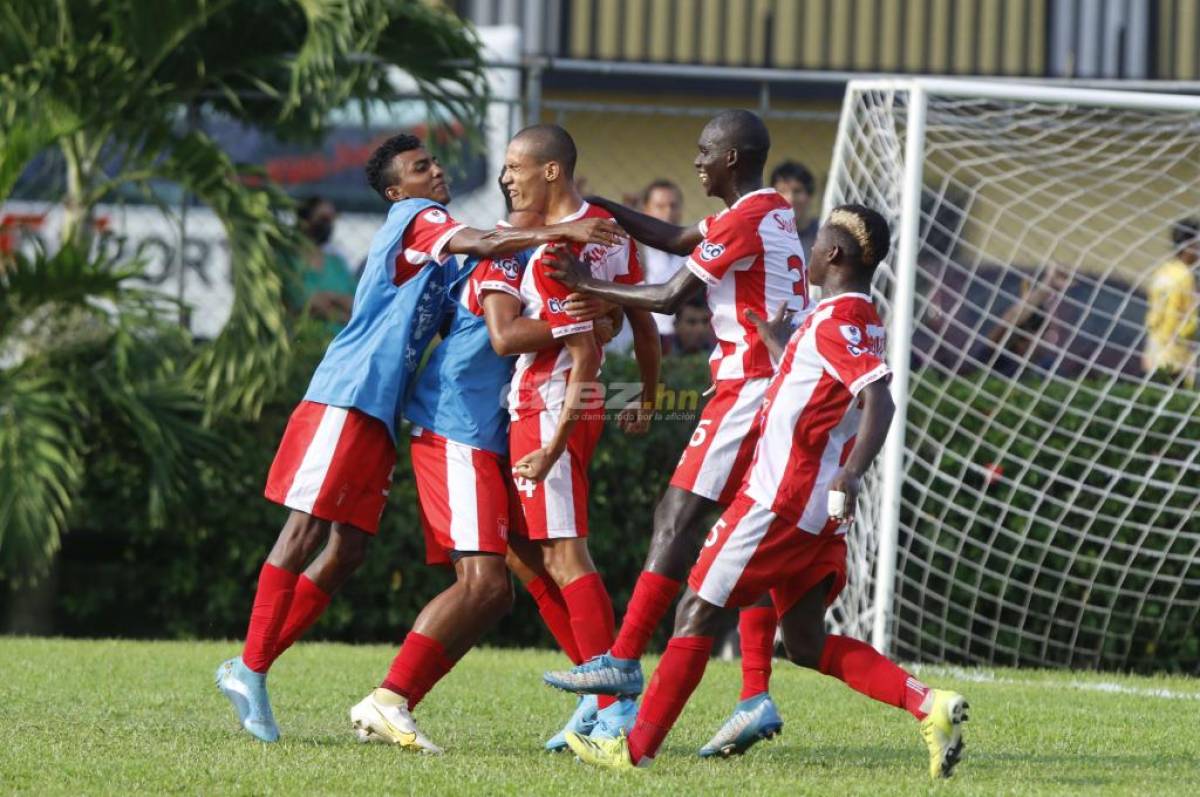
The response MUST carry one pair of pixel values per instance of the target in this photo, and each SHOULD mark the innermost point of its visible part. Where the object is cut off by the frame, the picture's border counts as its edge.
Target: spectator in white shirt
(663, 200)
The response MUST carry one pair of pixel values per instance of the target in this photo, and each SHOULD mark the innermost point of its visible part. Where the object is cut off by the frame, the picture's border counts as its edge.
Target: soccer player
(553, 434)
(825, 417)
(334, 463)
(749, 258)
(460, 461)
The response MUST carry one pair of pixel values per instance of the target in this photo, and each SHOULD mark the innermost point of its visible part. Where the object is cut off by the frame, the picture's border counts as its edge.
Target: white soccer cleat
(376, 722)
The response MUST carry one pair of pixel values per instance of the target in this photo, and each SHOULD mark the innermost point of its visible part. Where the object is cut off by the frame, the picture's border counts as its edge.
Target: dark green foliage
(1083, 553)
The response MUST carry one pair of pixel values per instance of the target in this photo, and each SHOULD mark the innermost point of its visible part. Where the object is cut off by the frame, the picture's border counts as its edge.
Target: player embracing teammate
(825, 417)
(749, 259)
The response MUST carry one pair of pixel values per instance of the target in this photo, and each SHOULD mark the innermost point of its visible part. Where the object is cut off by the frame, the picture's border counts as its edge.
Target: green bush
(120, 577)
(1065, 559)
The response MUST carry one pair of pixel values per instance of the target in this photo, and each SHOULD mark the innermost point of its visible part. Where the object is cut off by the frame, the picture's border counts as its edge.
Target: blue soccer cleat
(615, 720)
(247, 691)
(581, 722)
(753, 718)
(600, 675)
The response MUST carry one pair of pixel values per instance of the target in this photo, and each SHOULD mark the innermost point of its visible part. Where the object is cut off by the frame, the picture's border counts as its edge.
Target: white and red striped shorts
(751, 552)
(722, 446)
(334, 463)
(556, 507)
(463, 494)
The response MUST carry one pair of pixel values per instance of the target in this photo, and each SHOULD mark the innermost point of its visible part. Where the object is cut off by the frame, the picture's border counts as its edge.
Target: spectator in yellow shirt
(1171, 317)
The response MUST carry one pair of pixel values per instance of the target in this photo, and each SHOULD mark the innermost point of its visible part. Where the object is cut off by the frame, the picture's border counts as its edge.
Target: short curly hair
(865, 234)
(379, 165)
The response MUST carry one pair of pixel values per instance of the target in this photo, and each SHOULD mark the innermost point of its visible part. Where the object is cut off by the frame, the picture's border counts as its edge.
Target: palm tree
(105, 85)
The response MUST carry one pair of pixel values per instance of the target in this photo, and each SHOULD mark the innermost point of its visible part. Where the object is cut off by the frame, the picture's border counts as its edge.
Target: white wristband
(837, 504)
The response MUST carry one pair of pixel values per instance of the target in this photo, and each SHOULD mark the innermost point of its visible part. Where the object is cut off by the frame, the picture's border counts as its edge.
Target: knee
(298, 541)
(348, 549)
(491, 592)
(696, 617)
(567, 560)
(804, 647)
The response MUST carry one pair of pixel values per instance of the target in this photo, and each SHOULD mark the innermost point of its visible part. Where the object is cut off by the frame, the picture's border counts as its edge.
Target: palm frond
(41, 467)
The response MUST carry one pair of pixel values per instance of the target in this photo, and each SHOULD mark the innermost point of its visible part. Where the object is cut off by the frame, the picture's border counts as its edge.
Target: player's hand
(582, 307)
(563, 266)
(779, 328)
(602, 328)
(535, 465)
(848, 484)
(635, 419)
(605, 232)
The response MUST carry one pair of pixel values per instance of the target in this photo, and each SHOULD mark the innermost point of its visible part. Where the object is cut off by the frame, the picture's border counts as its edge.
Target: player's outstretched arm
(655, 233)
(666, 297)
(647, 349)
(877, 412)
(508, 240)
(585, 362)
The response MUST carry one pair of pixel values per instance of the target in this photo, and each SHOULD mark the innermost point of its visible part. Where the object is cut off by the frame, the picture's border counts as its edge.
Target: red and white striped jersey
(811, 411)
(501, 274)
(751, 259)
(540, 380)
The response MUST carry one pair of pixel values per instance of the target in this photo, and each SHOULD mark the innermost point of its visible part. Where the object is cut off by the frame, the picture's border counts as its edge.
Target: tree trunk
(31, 609)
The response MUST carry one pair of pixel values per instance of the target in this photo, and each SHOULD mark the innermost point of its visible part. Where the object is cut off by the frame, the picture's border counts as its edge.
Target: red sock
(271, 604)
(652, 596)
(677, 676)
(420, 664)
(308, 603)
(553, 608)
(756, 627)
(866, 670)
(592, 620)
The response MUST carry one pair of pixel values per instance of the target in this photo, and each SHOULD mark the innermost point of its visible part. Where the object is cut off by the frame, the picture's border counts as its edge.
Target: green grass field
(144, 717)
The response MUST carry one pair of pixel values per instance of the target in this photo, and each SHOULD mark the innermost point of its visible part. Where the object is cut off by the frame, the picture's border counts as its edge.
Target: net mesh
(1050, 495)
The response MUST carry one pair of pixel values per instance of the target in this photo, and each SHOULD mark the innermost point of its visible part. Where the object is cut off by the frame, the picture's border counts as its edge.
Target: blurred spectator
(1014, 341)
(663, 200)
(322, 282)
(795, 183)
(693, 328)
(1171, 316)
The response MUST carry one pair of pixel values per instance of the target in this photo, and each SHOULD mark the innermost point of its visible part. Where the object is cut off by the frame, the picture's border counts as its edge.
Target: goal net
(1038, 502)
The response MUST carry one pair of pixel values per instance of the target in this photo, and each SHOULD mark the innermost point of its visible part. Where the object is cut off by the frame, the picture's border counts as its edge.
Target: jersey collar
(841, 296)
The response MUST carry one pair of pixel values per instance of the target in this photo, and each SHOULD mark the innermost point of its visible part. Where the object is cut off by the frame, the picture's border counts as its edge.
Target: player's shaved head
(549, 143)
(862, 233)
(745, 132)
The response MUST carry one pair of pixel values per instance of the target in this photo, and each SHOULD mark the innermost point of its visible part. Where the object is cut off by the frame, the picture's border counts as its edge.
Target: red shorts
(463, 494)
(556, 507)
(717, 457)
(335, 464)
(751, 551)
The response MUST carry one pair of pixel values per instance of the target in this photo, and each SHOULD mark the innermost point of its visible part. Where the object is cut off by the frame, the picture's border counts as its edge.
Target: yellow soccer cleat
(942, 730)
(612, 753)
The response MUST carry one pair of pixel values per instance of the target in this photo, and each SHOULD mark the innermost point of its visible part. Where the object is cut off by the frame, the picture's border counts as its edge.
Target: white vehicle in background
(198, 272)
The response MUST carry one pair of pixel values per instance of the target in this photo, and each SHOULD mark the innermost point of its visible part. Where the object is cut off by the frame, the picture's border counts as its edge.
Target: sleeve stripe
(501, 287)
(699, 271)
(880, 371)
(571, 329)
(436, 252)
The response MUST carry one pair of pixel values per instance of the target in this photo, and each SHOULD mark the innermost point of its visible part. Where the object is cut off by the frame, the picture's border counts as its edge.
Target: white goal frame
(900, 324)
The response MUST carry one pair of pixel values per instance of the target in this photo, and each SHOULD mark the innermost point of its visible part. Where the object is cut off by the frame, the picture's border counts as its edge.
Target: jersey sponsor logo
(711, 251)
(785, 223)
(556, 305)
(435, 216)
(510, 266)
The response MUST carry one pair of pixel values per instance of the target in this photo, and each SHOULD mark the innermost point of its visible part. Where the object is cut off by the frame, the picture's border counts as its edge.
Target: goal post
(1038, 498)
